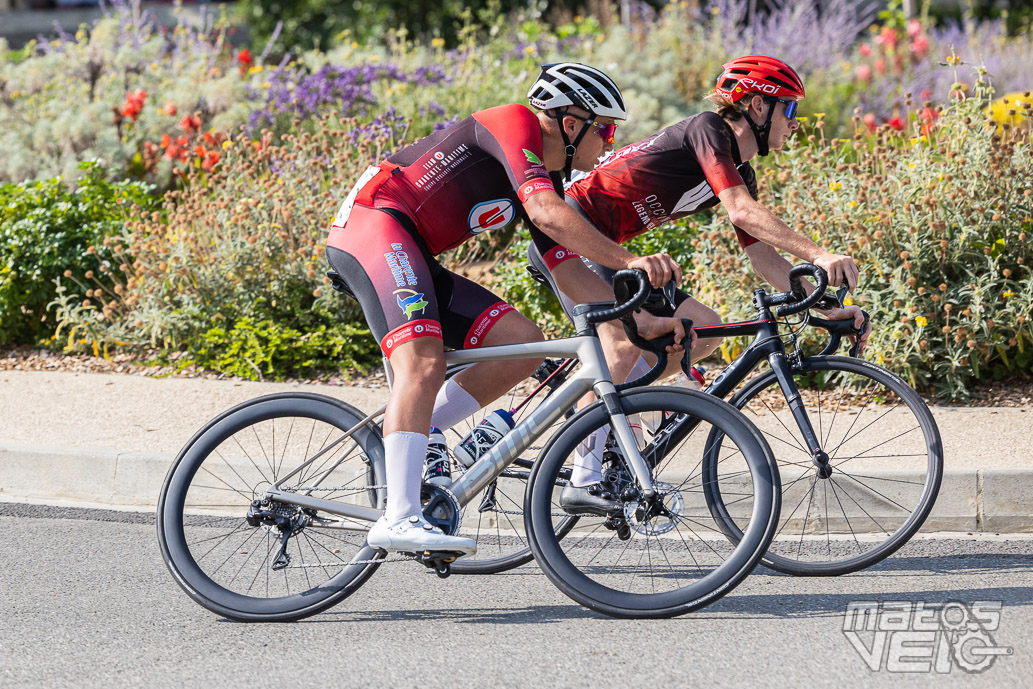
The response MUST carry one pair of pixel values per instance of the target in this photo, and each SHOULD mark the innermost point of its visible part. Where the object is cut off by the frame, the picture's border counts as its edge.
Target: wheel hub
(657, 515)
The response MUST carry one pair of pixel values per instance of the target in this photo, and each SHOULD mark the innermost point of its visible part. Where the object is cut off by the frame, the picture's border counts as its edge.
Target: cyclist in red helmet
(690, 166)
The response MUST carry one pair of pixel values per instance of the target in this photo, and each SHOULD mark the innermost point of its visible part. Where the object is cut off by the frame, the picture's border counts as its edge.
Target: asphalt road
(87, 602)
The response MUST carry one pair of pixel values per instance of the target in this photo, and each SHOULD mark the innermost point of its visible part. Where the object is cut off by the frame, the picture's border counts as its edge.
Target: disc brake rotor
(638, 514)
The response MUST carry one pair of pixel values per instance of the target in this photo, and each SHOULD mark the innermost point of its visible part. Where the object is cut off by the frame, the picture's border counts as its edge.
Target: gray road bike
(263, 515)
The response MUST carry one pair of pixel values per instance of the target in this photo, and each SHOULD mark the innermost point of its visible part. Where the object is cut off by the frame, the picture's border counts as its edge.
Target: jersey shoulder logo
(491, 215)
(531, 157)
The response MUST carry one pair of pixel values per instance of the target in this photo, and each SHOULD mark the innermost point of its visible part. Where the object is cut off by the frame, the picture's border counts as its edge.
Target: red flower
(244, 60)
(134, 104)
(897, 123)
(166, 140)
(170, 109)
(863, 72)
(210, 161)
(866, 49)
(880, 66)
(190, 124)
(914, 27)
(869, 121)
(920, 46)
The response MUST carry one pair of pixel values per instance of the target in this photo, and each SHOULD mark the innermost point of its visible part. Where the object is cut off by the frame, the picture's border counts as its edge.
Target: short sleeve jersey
(678, 171)
(469, 178)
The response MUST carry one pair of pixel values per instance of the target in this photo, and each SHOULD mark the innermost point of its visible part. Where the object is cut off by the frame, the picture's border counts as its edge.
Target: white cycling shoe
(416, 535)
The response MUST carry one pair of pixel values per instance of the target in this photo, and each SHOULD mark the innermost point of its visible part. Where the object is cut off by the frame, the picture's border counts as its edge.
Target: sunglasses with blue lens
(791, 105)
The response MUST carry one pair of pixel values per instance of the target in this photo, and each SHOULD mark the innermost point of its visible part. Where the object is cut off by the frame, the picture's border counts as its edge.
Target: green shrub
(48, 229)
(244, 242)
(268, 350)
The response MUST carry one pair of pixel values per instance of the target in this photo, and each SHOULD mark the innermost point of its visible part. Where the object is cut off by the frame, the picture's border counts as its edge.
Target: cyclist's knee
(420, 362)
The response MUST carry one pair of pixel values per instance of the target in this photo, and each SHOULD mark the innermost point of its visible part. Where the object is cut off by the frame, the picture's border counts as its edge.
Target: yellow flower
(227, 144)
(910, 165)
(849, 301)
(819, 115)
(833, 186)
(921, 321)
(1007, 294)
(374, 58)
(256, 69)
(438, 42)
(265, 84)
(802, 118)
(529, 50)
(715, 10)
(355, 44)
(853, 204)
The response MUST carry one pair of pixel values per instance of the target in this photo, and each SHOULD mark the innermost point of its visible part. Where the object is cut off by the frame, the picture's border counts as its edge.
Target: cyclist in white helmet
(479, 174)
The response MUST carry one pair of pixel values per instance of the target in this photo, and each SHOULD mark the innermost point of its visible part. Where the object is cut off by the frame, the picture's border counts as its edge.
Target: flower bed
(254, 156)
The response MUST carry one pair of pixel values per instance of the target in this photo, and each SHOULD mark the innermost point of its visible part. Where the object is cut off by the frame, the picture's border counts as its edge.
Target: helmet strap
(761, 132)
(570, 148)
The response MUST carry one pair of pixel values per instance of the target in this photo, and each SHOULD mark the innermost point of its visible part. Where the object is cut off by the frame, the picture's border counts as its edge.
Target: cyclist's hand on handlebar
(660, 268)
(840, 269)
(854, 313)
(650, 327)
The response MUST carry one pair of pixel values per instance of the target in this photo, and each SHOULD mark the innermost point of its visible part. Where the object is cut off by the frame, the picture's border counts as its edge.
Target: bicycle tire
(580, 580)
(879, 498)
(192, 515)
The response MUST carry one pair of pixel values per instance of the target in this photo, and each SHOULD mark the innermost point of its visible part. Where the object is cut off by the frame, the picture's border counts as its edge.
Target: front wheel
(886, 464)
(663, 556)
(277, 561)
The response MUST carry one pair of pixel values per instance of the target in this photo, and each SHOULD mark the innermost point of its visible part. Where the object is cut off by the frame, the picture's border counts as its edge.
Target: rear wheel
(271, 561)
(886, 458)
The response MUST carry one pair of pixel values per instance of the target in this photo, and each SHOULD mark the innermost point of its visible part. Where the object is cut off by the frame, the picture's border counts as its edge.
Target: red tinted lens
(606, 131)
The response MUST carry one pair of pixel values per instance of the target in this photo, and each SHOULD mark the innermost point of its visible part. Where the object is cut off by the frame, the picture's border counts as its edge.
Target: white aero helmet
(571, 83)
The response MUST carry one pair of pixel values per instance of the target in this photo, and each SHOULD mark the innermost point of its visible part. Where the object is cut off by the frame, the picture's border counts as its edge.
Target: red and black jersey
(678, 171)
(466, 179)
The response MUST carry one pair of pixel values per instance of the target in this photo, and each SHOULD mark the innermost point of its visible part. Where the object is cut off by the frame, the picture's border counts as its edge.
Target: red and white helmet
(761, 74)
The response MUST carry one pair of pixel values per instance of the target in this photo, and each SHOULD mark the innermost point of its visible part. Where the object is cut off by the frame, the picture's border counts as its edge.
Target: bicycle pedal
(440, 561)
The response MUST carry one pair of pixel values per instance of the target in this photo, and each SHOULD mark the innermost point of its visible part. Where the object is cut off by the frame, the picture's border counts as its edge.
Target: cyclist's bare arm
(555, 218)
(747, 213)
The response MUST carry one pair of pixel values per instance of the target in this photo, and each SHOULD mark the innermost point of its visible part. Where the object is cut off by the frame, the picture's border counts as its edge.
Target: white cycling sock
(405, 452)
(588, 459)
(452, 405)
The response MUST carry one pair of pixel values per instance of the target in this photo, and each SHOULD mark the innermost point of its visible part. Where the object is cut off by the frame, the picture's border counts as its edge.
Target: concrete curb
(976, 500)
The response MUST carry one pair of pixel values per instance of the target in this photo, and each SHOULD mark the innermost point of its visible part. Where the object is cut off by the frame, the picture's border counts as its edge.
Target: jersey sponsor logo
(410, 302)
(438, 155)
(398, 264)
(491, 215)
(531, 157)
(485, 322)
(409, 331)
(535, 186)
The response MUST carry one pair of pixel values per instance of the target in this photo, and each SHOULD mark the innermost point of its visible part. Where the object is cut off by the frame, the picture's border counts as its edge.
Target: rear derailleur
(287, 520)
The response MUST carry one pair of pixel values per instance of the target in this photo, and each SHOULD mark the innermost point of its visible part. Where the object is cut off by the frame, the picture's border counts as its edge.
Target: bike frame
(767, 344)
(593, 375)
